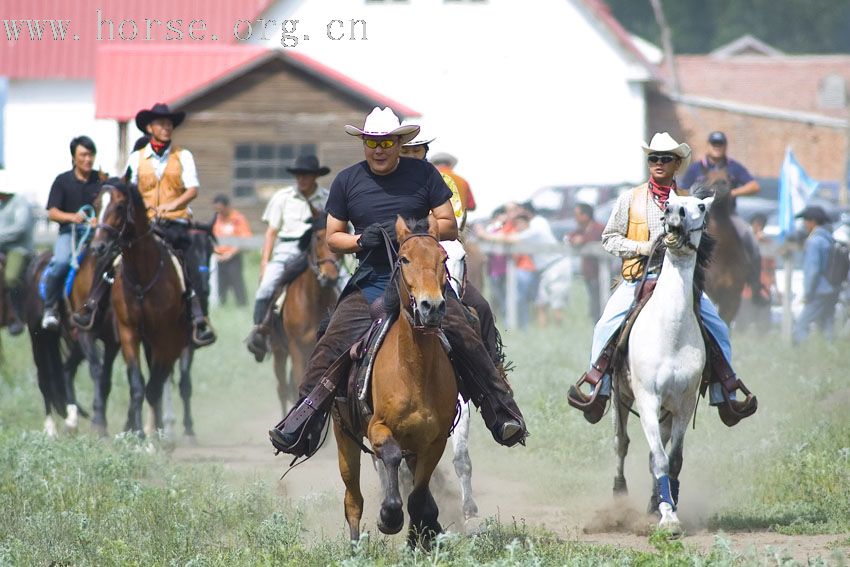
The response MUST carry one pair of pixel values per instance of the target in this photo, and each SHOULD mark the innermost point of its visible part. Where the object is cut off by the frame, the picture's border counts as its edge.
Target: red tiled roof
(75, 58)
(130, 77)
(788, 82)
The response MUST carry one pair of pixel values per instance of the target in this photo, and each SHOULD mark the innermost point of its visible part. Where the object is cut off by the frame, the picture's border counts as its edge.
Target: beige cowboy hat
(664, 142)
(444, 158)
(383, 122)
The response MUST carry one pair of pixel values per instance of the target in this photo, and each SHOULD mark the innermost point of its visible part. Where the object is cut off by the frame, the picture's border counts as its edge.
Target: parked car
(557, 203)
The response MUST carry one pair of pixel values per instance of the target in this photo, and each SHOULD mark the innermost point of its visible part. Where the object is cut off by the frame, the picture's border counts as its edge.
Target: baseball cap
(717, 137)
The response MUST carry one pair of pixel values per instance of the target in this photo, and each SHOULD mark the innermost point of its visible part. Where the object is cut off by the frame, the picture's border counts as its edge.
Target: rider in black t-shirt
(369, 195)
(70, 192)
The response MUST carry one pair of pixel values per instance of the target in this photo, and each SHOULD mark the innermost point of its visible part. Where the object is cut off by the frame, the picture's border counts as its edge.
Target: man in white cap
(635, 224)
(370, 194)
(16, 250)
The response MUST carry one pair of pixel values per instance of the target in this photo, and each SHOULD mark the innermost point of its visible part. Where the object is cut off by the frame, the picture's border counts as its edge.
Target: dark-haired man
(71, 191)
(588, 230)
(716, 165)
(370, 195)
(168, 182)
(229, 223)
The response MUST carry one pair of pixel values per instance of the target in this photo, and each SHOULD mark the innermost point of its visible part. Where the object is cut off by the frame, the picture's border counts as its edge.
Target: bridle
(315, 262)
(414, 316)
(686, 236)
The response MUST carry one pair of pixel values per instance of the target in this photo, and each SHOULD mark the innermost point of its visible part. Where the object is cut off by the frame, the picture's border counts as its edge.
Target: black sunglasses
(655, 158)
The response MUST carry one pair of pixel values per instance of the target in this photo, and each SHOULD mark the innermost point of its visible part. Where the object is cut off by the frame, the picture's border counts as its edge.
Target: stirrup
(203, 340)
(732, 411)
(257, 344)
(78, 317)
(593, 406)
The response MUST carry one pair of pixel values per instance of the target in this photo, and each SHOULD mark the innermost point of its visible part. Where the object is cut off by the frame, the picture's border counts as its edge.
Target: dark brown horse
(309, 299)
(414, 393)
(728, 272)
(147, 297)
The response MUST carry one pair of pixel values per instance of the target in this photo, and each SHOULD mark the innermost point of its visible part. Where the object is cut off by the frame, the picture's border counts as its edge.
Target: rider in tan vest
(635, 224)
(168, 182)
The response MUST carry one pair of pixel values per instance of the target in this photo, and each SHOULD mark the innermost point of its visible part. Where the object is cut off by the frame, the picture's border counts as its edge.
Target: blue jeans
(57, 269)
(524, 296)
(615, 313)
(821, 310)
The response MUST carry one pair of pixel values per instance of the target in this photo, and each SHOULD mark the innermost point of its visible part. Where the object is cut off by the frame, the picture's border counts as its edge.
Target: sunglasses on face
(654, 158)
(372, 144)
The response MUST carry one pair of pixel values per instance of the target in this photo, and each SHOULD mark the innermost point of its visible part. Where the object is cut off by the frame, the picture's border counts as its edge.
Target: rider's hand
(644, 248)
(78, 218)
(164, 208)
(389, 226)
(371, 237)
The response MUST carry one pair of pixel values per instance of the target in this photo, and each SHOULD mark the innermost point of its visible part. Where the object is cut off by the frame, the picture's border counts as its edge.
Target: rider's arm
(750, 188)
(339, 240)
(446, 221)
(268, 246)
(748, 185)
(57, 215)
(614, 236)
(180, 202)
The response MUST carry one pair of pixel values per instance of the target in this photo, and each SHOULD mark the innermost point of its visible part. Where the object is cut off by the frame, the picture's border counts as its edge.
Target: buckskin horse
(413, 393)
(666, 358)
(147, 296)
(308, 300)
(731, 263)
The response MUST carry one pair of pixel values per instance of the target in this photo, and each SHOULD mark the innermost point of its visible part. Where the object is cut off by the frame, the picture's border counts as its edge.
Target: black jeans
(230, 278)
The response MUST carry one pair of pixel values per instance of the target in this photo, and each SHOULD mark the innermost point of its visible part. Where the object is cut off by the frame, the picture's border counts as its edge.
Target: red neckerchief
(660, 193)
(159, 147)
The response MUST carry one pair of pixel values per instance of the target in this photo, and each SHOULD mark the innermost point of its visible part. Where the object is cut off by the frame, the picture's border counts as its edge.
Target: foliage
(794, 26)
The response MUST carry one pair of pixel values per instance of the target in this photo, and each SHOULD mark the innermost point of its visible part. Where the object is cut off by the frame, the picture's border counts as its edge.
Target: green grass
(85, 501)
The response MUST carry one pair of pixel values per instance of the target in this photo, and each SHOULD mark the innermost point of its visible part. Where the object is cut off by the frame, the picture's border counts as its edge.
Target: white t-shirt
(288, 211)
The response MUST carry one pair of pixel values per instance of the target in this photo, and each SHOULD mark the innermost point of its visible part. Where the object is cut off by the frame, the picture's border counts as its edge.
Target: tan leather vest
(638, 229)
(156, 192)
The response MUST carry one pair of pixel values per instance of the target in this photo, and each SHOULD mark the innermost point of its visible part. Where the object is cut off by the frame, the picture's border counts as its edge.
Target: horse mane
(129, 190)
(705, 250)
(392, 302)
(319, 222)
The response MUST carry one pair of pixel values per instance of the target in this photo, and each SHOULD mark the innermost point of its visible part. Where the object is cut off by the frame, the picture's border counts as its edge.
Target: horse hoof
(390, 520)
(190, 439)
(50, 427)
(73, 419)
(99, 429)
(470, 511)
(620, 488)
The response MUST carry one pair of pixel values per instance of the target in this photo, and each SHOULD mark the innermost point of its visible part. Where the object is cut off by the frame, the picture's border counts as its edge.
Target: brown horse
(309, 299)
(413, 393)
(147, 297)
(730, 265)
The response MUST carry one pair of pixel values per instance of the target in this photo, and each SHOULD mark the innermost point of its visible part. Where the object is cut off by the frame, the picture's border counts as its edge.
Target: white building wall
(525, 94)
(41, 119)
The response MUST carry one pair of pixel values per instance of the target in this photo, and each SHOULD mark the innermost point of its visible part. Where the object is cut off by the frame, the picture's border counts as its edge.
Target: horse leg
(621, 406)
(69, 372)
(102, 388)
(41, 356)
(154, 389)
(677, 444)
(649, 407)
(421, 506)
(348, 454)
(186, 358)
(280, 354)
(387, 449)
(462, 462)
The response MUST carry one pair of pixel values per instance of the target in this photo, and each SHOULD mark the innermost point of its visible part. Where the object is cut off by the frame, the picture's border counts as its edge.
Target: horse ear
(433, 227)
(708, 201)
(401, 230)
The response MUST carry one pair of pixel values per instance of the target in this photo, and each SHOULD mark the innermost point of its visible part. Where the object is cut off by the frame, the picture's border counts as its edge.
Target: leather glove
(389, 227)
(371, 237)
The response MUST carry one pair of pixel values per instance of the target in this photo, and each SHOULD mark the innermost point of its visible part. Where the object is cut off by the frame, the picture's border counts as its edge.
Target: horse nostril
(425, 306)
(441, 307)
(681, 211)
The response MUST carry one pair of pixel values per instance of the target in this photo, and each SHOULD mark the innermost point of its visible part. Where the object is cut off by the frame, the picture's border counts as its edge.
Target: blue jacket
(815, 259)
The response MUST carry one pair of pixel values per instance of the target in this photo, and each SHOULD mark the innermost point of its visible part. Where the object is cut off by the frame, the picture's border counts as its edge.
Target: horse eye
(404, 260)
(702, 208)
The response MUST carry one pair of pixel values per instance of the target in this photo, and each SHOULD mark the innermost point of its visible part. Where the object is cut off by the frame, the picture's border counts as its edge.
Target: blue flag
(795, 188)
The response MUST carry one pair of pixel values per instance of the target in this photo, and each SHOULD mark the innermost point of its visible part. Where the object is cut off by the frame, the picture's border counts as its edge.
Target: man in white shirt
(289, 215)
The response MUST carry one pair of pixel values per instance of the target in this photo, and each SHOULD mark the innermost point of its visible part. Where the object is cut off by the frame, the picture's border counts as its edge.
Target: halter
(414, 316)
(687, 236)
(315, 262)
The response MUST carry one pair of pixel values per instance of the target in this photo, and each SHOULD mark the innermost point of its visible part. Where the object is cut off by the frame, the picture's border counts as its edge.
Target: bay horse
(147, 296)
(309, 298)
(414, 393)
(731, 263)
(665, 362)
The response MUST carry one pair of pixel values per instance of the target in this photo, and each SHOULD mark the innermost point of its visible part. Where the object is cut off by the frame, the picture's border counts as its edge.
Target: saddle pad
(278, 303)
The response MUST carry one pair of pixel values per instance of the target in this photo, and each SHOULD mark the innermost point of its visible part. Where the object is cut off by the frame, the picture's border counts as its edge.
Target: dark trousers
(819, 310)
(594, 306)
(489, 334)
(230, 278)
(487, 388)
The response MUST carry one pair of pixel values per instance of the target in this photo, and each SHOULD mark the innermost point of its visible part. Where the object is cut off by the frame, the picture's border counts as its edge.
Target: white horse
(665, 361)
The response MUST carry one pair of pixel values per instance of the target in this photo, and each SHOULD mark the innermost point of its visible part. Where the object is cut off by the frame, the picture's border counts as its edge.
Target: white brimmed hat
(383, 122)
(420, 139)
(664, 142)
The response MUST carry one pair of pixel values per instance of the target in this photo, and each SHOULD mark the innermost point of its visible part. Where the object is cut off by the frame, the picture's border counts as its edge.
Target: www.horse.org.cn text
(288, 32)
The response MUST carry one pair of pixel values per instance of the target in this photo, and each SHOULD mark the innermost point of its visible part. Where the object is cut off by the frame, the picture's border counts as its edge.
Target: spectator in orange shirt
(445, 164)
(229, 222)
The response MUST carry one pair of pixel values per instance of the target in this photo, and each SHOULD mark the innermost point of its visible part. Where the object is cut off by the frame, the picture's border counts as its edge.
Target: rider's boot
(731, 410)
(202, 331)
(487, 387)
(16, 314)
(85, 316)
(327, 368)
(593, 404)
(50, 318)
(257, 340)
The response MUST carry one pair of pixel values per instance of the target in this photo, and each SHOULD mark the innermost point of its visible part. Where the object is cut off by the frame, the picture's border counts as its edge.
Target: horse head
(323, 262)
(116, 215)
(685, 219)
(422, 274)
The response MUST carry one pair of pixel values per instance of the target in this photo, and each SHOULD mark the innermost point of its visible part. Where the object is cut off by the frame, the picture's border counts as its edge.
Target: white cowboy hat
(419, 139)
(383, 122)
(445, 158)
(664, 142)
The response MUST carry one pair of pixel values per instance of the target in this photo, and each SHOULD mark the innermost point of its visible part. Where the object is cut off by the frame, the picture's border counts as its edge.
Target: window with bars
(261, 164)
